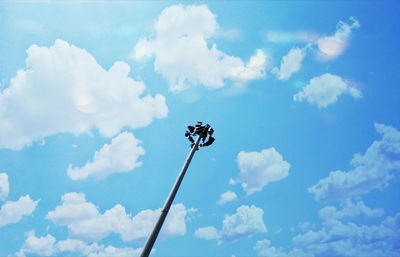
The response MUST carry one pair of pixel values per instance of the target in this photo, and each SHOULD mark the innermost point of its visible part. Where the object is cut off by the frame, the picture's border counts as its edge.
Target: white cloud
(371, 170)
(290, 63)
(85, 222)
(325, 90)
(207, 233)
(350, 210)
(64, 89)
(47, 246)
(119, 156)
(183, 56)
(245, 222)
(332, 46)
(265, 248)
(113, 251)
(257, 169)
(77, 246)
(337, 238)
(13, 211)
(228, 196)
(4, 186)
(43, 246)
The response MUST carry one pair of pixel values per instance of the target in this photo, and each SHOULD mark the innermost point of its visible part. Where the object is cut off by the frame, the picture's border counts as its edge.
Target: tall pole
(167, 205)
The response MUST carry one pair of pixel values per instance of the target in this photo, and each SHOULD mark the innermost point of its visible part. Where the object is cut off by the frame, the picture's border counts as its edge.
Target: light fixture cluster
(203, 131)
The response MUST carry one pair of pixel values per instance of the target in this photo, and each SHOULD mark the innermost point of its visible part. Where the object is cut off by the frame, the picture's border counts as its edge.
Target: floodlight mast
(201, 132)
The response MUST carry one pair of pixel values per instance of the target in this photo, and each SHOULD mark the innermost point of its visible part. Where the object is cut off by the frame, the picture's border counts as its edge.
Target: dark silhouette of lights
(205, 133)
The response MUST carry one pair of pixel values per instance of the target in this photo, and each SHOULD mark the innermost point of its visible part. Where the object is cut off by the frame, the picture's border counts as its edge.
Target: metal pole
(167, 205)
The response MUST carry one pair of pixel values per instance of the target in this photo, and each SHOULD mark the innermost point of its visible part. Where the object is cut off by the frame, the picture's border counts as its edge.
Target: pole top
(205, 133)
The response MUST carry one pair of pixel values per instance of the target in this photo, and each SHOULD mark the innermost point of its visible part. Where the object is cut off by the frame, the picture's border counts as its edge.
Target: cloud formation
(228, 196)
(4, 186)
(339, 238)
(325, 90)
(183, 56)
(265, 248)
(332, 46)
(119, 156)
(47, 246)
(13, 211)
(258, 169)
(86, 223)
(247, 221)
(371, 170)
(64, 89)
(290, 63)
(207, 233)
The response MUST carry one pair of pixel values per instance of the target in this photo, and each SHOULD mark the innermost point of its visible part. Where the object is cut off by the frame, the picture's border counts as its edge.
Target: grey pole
(167, 205)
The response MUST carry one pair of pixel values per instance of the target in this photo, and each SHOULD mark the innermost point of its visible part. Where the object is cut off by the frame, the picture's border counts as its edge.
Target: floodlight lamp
(210, 131)
(209, 141)
(191, 128)
(187, 134)
(191, 139)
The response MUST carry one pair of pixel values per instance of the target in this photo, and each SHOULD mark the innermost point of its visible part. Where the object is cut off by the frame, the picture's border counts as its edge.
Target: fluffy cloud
(228, 196)
(325, 90)
(47, 246)
(183, 57)
(245, 222)
(4, 186)
(13, 211)
(64, 89)
(350, 210)
(371, 170)
(257, 169)
(338, 238)
(290, 63)
(265, 248)
(207, 233)
(332, 46)
(85, 222)
(43, 246)
(119, 156)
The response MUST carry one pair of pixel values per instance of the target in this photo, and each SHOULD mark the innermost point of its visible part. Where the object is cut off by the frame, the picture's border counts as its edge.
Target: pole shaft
(167, 205)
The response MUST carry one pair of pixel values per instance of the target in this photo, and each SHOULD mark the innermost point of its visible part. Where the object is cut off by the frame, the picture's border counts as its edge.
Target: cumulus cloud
(371, 170)
(265, 248)
(338, 238)
(228, 196)
(4, 186)
(247, 220)
(207, 233)
(325, 90)
(47, 246)
(13, 211)
(43, 246)
(119, 156)
(257, 169)
(332, 46)
(290, 63)
(350, 210)
(85, 222)
(182, 54)
(64, 89)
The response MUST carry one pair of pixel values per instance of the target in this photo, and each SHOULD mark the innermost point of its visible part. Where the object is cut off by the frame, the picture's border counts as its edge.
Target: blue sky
(95, 98)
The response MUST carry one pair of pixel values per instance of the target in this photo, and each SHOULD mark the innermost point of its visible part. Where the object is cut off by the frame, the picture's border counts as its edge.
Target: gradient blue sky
(95, 97)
